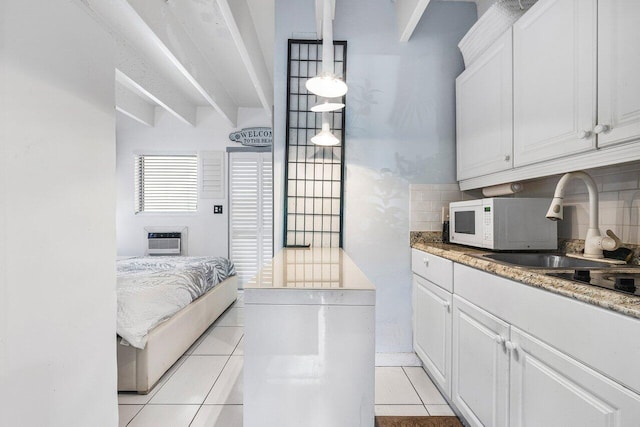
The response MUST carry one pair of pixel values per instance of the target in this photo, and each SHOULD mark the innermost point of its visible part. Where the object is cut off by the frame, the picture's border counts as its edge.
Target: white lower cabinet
(432, 330)
(503, 376)
(480, 385)
(549, 388)
(508, 354)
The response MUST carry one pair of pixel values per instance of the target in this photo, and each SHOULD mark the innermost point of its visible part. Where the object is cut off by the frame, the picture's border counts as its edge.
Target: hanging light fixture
(327, 105)
(325, 137)
(327, 84)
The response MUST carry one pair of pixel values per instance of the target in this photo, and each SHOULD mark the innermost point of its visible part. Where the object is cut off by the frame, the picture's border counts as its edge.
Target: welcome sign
(253, 137)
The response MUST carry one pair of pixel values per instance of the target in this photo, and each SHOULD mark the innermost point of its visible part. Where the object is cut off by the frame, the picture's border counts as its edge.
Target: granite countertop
(628, 305)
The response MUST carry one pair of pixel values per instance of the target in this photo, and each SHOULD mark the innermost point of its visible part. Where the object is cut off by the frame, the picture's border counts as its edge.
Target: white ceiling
(263, 14)
(183, 54)
(204, 23)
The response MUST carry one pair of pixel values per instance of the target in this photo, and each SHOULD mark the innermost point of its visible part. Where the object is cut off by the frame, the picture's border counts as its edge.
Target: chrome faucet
(594, 242)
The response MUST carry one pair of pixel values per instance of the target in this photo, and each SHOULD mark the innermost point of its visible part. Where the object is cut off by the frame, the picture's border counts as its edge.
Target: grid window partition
(166, 183)
(314, 174)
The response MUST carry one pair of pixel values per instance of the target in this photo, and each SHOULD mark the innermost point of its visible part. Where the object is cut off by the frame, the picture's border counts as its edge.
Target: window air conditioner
(164, 243)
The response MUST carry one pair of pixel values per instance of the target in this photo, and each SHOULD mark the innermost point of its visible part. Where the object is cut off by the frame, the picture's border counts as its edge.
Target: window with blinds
(166, 183)
(251, 212)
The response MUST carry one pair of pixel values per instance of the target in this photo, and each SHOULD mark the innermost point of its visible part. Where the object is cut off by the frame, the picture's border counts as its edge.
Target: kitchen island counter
(309, 351)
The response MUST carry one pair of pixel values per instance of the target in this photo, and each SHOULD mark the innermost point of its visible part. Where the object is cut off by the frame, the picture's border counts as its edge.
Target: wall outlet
(217, 209)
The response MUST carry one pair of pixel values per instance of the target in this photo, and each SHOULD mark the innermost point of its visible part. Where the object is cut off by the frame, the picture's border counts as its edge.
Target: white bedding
(152, 289)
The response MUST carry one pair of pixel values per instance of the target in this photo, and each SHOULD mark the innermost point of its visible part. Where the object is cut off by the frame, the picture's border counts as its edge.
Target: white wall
(483, 5)
(57, 217)
(207, 233)
(400, 129)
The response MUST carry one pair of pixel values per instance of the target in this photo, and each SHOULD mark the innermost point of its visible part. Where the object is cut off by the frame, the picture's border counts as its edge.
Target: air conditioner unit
(164, 243)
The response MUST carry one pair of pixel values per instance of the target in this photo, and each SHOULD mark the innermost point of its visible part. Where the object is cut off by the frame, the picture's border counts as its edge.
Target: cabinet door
(433, 268)
(618, 70)
(549, 388)
(432, 330)
(484, 116)
(480, 371)
(554, 65)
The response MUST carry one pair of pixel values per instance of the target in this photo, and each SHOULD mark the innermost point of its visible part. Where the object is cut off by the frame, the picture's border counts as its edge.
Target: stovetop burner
(627, 283)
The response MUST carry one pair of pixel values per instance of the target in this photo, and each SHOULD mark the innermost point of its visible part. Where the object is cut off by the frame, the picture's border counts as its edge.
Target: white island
(309, 342)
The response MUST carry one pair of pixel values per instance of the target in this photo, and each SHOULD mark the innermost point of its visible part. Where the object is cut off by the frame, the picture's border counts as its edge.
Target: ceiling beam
(179, 48)
(409, 13)
(130, 104)
(151, 24)
(133, 71)
(238, 18)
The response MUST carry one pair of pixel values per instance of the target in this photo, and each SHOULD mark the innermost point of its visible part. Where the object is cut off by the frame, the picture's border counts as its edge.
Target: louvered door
(251, 212)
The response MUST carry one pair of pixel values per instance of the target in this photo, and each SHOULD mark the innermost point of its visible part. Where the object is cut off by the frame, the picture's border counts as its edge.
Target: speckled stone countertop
(628, 305)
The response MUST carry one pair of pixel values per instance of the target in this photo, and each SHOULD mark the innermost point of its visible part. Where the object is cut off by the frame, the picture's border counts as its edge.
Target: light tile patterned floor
(204, 387)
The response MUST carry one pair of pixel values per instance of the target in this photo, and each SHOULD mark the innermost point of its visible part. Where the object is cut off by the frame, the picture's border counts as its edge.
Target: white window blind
(166, 183)
(251, 212)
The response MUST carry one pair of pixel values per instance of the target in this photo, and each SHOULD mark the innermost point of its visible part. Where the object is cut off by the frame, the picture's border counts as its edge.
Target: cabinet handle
(507, 157)
(601, 128)
(499, 339)
(584, 134)
(511, 346)
(446, 305)
(426, 262)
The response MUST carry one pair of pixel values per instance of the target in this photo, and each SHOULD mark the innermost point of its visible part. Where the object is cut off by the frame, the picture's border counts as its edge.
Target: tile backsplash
(618, 190)
(619, 204)
(426, 204)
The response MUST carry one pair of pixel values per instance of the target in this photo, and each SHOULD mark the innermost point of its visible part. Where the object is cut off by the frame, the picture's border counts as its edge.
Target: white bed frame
(139, 370)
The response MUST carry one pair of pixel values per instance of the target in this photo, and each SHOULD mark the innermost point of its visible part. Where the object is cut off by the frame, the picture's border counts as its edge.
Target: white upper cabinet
(618, 71)
(554, 68)
(484, 112)
(575, 94)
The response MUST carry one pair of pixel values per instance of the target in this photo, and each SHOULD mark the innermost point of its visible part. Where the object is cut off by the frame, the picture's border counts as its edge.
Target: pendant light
(325, 137)
(327, 84)
(327, 105)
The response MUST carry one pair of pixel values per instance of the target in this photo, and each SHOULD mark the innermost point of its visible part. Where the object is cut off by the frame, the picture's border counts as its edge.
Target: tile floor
(204, 387)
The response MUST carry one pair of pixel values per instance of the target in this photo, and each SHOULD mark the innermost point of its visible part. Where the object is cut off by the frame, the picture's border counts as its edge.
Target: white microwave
(503, 224)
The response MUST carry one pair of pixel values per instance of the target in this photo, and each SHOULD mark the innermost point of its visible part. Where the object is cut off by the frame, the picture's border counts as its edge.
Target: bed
(164, 304)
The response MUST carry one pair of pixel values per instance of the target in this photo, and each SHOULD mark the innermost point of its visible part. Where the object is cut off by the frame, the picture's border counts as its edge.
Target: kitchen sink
(546, 261)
